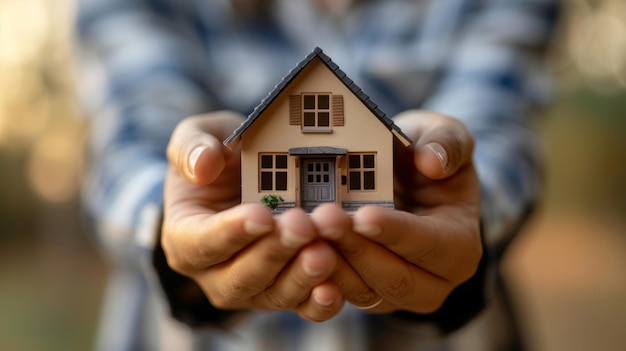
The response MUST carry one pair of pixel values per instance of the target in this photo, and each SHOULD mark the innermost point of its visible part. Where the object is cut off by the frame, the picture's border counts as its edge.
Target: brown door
(317, 182)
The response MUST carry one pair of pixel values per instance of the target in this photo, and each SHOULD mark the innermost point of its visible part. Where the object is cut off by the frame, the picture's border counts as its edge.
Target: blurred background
(567, 268)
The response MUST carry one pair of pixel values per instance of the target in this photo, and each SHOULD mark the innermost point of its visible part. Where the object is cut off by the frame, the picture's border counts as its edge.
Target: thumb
(195, 150)
(443, 144)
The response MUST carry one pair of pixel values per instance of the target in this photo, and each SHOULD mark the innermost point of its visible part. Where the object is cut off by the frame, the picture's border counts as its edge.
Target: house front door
(317, 182)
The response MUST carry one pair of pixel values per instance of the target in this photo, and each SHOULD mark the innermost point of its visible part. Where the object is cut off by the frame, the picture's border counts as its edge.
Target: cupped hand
(240, 255)
(413, 257)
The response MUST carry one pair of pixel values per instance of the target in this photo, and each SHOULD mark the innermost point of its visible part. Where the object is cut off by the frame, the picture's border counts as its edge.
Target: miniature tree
(272, 201)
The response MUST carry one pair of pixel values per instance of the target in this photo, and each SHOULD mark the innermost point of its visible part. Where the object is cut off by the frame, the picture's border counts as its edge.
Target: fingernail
(375, 304)
(441, 154)
(311, 271)
(322, 301)
(331, 233)
(367, 229)
(292, 240)
(254, 228)
(194, 156)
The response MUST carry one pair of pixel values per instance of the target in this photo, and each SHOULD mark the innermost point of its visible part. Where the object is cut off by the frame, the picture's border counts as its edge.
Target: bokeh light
(38, 114)
(594, 42)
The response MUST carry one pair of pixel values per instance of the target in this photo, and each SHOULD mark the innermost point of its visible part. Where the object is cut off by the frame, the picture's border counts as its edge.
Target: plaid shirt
(150, 63)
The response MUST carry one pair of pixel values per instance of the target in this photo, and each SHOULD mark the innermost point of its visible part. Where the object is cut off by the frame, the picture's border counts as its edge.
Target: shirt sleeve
(494, 81)
(141, 73)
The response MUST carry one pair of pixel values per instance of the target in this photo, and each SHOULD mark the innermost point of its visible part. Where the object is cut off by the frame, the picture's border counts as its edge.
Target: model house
(317, 138)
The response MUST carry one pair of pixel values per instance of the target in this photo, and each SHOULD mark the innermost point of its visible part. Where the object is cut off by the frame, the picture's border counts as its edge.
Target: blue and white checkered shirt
(150, 63)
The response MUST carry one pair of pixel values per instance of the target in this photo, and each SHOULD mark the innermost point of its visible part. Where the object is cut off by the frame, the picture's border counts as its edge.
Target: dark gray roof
(317, 52)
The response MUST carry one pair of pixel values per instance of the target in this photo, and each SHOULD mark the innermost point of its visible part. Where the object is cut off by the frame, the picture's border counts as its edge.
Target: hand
(240, 255)
(415, 256)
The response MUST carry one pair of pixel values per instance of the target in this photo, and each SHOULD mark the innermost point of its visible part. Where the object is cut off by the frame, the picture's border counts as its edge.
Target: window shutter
(337, 110)
(295, 110)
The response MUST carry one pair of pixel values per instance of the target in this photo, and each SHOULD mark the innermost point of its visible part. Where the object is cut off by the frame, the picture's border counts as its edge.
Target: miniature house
(318, 138)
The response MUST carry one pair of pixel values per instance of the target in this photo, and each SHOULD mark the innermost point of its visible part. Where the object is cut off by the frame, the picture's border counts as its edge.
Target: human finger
(324, 303)
(400, 284)
(332, 222)
(442, 144)
(446, 246)
(292, 289)
(195, 149)
(259, 265)
(205, 238)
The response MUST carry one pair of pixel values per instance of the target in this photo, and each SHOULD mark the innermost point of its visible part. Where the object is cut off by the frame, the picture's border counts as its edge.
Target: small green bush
(272, 201)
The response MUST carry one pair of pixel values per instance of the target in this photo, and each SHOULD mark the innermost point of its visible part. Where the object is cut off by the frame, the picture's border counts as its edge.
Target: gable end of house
(341, 75)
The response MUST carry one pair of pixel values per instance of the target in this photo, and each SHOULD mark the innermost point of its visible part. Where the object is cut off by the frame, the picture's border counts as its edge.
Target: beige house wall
(362, 132)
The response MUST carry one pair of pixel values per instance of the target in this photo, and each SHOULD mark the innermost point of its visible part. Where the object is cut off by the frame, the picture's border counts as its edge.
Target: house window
(273, 173)
(316, 110)
(362, 171)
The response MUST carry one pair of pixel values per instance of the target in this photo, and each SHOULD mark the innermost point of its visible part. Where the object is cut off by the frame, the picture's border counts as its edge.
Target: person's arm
(154, 79)
(494, 81)
(435, 262)
(242, 256)
(142, 72)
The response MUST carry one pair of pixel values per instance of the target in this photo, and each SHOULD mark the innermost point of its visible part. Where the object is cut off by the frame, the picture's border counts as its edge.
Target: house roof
(341, 75)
